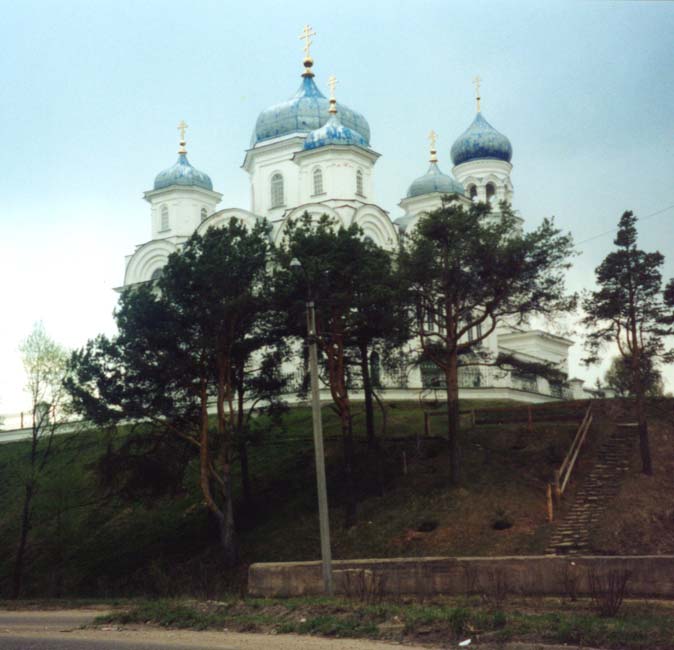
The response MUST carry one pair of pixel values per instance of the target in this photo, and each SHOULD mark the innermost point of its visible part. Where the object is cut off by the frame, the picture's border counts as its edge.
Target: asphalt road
(60, 630)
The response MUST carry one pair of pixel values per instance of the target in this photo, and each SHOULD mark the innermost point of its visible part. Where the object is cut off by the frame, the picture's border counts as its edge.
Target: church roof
(334, 132)
(306, 111)
(434, 181)
(479, 141)
(182, 173)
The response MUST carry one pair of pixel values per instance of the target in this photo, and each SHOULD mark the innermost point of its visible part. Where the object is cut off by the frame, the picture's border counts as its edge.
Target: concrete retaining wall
(650, 576)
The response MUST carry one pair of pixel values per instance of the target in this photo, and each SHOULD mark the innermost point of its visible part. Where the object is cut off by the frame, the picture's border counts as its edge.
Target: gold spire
(433, 136)
(477, 81)
(305, 36)
(332, 82)
(181, 127)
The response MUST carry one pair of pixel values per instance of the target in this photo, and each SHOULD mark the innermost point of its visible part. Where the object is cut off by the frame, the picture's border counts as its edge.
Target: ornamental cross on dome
(306, 35)
(477, 81)
(181, 127)
(332, 82)
(432, 137)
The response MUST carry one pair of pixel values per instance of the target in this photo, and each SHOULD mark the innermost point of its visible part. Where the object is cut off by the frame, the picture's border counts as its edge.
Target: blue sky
(92, 91)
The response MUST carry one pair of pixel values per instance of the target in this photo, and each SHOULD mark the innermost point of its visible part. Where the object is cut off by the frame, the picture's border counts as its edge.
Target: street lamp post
(321, 484)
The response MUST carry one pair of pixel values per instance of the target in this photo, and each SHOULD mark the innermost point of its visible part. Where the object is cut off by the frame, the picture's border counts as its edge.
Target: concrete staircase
(572, 535)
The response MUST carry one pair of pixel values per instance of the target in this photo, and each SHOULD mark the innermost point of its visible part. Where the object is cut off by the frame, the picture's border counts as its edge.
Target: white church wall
(224, 217)
(315, 210)
(377, 226)
(481, 172)
(147, 259)
(262, 163)
(339, 166)
(177, 211)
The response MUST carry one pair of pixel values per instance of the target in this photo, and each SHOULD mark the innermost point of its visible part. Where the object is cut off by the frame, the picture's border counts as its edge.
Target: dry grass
(641, 518)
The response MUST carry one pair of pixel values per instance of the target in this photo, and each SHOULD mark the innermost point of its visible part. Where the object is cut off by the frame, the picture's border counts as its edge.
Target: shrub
(608, 590)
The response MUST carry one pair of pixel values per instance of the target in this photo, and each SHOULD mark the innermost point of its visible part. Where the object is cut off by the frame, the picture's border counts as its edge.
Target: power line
(612, 230)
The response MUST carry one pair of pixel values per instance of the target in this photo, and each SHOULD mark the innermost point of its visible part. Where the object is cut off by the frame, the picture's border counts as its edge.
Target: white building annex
(311, 154)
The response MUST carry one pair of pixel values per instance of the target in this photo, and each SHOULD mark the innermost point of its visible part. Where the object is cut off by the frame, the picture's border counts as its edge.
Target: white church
(312, 154)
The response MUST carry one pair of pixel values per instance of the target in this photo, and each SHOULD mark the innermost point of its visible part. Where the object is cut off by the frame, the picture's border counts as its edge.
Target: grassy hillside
(641, 518)
(86, 542)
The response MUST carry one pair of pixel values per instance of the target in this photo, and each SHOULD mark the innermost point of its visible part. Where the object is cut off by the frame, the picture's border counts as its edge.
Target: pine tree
(185, 344)
(467, 271)
(629, 309)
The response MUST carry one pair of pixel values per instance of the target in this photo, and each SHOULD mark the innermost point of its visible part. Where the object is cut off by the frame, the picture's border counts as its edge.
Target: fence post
(548, 495)
(426, 425)
(530, 420)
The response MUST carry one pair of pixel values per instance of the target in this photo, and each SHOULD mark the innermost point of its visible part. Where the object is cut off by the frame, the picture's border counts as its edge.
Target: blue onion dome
(434, 181)
(182, 173)
(481, 140)
(333, 132)
(306, 111)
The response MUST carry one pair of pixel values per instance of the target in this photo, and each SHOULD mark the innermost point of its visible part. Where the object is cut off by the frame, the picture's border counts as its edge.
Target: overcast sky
(91, 92)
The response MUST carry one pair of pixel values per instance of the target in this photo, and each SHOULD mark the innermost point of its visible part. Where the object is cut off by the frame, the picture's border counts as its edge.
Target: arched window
(472, 193)
(156, 274)
(164, 225)
(359, 183)
(204, 214)
(276, 191)
(318, 181)
(491, 193)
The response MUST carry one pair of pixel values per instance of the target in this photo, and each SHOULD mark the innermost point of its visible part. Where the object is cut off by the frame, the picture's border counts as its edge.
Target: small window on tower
(318, 181)
(491, 193)
(276, 191)
(359, 183)
(164, 225)
(472, 193)
(204, 214)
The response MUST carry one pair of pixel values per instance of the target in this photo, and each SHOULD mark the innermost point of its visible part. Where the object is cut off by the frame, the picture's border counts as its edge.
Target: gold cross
(308, 32)
(477, 81)
(332, 82)
(181, 127)
(433, 136)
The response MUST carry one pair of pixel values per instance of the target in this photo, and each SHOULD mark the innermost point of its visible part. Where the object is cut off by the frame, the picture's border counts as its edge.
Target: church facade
(312, 154)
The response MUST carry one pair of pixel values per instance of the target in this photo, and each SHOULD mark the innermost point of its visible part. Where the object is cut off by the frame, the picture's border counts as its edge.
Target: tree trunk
(245, 472)
(373, 444)
(349, 479)
(243, 444)
(644, 445)
(23, 541)
(228, 541)
(58, 570)
(453, 423)
(638, 387)
(367, 391)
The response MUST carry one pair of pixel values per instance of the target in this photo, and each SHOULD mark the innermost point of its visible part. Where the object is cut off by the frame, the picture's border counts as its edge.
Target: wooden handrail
(563, 474)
